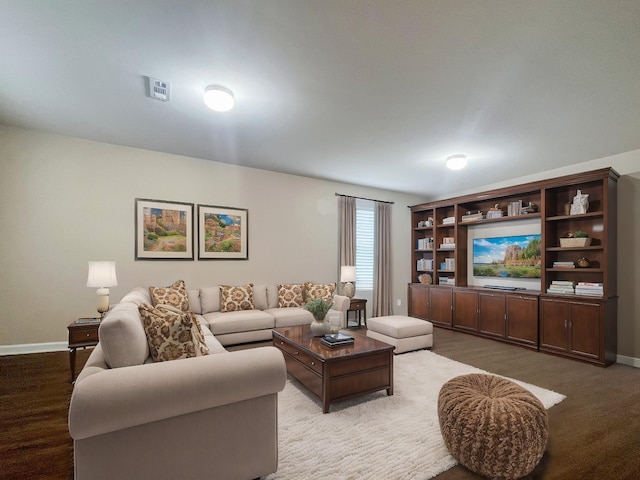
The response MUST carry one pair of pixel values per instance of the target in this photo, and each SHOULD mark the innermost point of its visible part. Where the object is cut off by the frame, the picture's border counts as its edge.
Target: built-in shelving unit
(567, 324)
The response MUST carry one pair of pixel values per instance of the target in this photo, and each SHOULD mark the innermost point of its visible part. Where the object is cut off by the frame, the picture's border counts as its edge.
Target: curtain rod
(363, 198)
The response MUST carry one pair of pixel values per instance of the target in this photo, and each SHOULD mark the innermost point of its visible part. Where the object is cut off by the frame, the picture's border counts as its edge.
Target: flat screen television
(513, 256)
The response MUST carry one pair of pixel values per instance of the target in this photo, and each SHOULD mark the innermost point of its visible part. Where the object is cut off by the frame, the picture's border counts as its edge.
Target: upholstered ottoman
(404, 333)
(492, 426)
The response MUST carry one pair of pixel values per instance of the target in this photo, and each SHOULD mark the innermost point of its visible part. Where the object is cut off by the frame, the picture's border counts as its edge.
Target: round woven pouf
(492, 426)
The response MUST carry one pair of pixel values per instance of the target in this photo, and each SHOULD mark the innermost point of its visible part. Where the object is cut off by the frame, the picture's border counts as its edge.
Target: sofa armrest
(114, 399)
(342, 303)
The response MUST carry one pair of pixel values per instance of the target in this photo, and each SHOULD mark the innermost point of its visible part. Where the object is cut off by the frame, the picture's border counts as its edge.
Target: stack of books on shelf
(336, 339)
(449, 221)
(470, 217)
(448, 243)
(588, 288)
(564, 265)
(446, 280)
(425, 264)
(561, 286)
(513, 209)
(425, 243)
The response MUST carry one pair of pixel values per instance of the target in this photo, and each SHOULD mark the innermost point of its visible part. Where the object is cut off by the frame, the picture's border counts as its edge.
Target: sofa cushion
(272, 296)
(233, 299)
(194, 301)
(213, 344)
(240, 321)
(122, 337)
(175, 295)
(290, 295)
(171, 333)
(210, 299)
(260, 300)
(324, 291)
(289, 317)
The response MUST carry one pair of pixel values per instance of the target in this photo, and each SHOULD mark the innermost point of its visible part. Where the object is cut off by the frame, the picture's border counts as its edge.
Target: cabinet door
(522, 319)
(585, 330)
(491, 315)
(465, 310)
(554, 322)
(419, 301)
(441, 306)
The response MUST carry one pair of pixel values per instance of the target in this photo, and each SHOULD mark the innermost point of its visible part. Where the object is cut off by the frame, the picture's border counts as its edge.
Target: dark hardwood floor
(594, 433)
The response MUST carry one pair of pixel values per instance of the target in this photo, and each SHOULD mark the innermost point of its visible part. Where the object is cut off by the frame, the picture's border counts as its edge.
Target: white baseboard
(631, 361)
(33, 348)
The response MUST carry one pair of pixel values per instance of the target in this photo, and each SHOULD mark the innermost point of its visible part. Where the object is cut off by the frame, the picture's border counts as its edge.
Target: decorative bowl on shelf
(425, 279)
(583, 262)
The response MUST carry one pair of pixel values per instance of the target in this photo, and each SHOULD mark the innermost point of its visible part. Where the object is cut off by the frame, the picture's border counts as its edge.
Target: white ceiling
(372, 92)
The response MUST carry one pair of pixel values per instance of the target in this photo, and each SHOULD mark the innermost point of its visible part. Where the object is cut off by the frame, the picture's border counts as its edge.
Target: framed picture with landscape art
(164, 230)
(223, 233)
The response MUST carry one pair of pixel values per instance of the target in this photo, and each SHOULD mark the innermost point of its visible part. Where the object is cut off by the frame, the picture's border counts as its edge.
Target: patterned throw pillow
(319, 290)
(171, 333)
(233, 299)
(290, 296)
(176, 295)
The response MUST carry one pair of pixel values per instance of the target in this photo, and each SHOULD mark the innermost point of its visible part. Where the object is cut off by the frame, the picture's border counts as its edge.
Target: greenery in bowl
(580, 234)
(318, 308)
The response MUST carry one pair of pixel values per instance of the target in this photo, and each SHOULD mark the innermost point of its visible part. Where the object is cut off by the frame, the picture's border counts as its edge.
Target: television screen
(514, 256)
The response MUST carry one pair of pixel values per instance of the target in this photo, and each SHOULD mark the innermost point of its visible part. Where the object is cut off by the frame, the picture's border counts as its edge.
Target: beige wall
(66, 201)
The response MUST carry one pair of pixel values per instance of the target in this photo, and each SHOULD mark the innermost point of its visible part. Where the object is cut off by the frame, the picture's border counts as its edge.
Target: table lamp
(102, 275)
(347, 276)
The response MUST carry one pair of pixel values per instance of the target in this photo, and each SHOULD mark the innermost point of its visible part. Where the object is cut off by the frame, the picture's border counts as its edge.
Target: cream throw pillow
(324, 291)
(290, 295)
(233, 299)
(175, 295)
(171, 333)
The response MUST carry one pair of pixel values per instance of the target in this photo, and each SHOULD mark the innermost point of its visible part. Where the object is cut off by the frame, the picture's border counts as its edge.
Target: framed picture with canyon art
(223, 233)
(164, 230)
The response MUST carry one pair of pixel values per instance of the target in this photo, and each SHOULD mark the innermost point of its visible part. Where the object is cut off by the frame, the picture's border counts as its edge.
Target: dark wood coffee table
(336, 373)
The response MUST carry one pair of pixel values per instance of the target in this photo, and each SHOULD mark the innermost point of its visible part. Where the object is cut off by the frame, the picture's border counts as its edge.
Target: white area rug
(374, 436)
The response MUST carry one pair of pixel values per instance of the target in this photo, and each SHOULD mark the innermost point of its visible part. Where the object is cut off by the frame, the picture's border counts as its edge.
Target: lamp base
(349, 290)
(103, 301)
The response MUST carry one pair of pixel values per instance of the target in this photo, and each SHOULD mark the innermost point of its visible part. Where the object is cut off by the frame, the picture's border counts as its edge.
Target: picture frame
(163, 230)
(223, 233)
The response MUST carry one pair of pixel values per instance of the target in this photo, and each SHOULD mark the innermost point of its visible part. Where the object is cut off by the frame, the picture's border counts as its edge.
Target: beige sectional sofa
(212, 416)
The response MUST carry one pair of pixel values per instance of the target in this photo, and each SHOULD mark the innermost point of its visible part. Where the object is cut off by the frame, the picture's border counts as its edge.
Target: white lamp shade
(347, 273)
(102, 274)
(218, 98)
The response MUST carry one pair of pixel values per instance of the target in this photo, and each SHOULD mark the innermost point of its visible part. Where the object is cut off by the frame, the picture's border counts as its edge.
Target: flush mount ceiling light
(218, 98)
(456, 162)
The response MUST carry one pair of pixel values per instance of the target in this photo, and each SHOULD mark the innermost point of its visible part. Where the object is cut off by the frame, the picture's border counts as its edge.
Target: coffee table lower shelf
(335, 374)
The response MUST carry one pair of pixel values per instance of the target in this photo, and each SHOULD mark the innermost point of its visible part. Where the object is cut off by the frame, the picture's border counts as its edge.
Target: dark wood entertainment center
(571, 325)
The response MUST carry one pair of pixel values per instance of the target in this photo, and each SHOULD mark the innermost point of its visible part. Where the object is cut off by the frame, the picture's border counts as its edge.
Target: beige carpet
(375, 436)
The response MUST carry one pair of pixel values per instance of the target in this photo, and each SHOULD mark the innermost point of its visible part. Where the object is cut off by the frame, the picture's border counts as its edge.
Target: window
(364, 244)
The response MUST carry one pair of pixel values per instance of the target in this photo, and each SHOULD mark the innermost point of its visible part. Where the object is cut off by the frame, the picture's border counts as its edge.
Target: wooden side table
(81, 335)
(358, 305)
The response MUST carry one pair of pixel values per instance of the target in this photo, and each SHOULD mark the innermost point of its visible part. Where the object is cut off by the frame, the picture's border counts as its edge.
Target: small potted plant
(319, 309)
(575, 239)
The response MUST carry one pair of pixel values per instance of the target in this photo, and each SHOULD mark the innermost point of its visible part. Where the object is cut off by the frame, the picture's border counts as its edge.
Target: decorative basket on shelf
(575, 242)
(575, 239)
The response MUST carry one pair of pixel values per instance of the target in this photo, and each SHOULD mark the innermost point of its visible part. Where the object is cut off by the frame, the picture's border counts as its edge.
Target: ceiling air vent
(158, 89)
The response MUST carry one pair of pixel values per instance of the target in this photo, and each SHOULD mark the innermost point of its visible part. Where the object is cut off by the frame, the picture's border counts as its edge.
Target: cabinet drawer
(357, 305)
(83, 335)
(302, 357)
